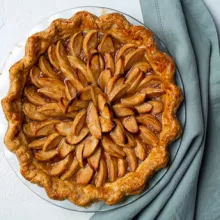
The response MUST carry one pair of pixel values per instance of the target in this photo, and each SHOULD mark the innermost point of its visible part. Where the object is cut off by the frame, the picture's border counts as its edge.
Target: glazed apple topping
(92, 108)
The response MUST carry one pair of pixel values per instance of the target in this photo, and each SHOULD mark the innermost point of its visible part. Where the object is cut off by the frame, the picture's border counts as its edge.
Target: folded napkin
(190, 188)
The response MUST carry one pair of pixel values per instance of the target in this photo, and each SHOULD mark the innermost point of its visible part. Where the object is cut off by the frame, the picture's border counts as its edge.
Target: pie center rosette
(92, 108)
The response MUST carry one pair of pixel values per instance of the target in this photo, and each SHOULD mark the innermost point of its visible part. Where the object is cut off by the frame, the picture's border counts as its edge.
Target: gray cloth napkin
(190, 189)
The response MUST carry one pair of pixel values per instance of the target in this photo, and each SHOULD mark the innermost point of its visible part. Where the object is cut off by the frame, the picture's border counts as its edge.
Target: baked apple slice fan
(92, 108)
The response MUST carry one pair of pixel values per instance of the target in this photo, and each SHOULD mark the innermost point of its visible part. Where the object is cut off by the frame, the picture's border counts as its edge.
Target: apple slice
(117, 94)
(134, 85)
(77, 63)
(63, 103)
(119, 67)
(118, 133)
(157, 106)
(86, 93)
(93, 122)
(102, 101)
(122, 110)
(65, 148)
(65, 66)
(46, 128)
(61, 53)
(39, 129)
(104, 78)
(60, 166)
(46, 68)
(152, 92)
(116, 83)
(106, 45)
(49, 106)
(84, 175)
(111, 83)
(94, 159)
(53, 88)
(106, 119)
(101, 62)
(109, 62)
(132, 159)
(106, 124)
(70, 91)
(45, 156)
(82, 78)
(52, 141)
(130, 143)
(37, 144)
(90, 145)
(33, 96)
(71, 75)
(73, 168)
(52, 57)
(79, 122)
(75, 139)
(79, 154)
(130, 124)
(112, 167)
(149, 80)
(133, 57)
(148, 136)
(110, 146)
(150, 121)
(132, 75)
(30, 111)
(101, 174)
(51, 83)
(125, 50)
(143, 108)
(140, 149)
(76, 105)
(111, 152)
(90, 42)
(29, 129)
(94, 97)
(75, 44)
(135, 99)
(63, 128)
(51, 110)
(118, 90)
(143, 66)
(95, 66)
(54, 110)
(52, 92)
(34, 76)
(122, 167)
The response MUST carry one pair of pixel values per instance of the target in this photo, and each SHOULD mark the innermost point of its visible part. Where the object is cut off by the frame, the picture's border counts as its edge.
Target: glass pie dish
(17, 53)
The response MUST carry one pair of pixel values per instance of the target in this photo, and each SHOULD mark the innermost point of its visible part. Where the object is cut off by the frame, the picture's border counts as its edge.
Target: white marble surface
(17, 17)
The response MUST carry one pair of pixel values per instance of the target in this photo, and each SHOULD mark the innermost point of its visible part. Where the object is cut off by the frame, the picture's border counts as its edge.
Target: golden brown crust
(15, 140)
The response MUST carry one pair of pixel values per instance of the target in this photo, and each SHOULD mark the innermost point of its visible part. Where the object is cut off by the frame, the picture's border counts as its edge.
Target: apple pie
(91, 109)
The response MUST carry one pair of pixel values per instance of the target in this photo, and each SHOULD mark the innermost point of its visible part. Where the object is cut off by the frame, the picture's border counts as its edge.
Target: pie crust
(91, 109)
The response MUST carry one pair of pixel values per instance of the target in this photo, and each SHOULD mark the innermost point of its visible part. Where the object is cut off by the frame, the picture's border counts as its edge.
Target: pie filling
(93, 108)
